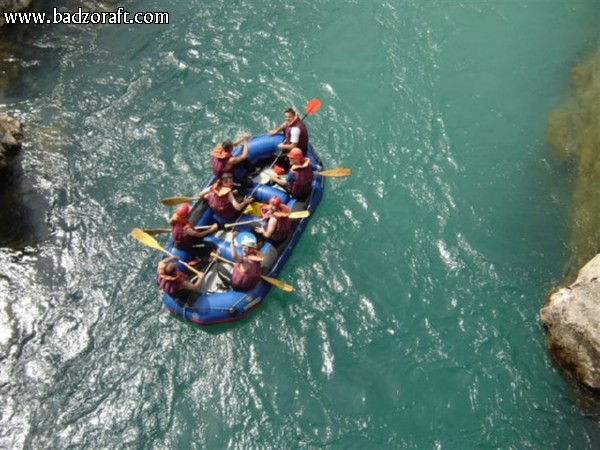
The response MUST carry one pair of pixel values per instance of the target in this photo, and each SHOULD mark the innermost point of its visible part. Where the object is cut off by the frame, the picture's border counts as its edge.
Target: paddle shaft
(184, 263)
(295, 215)
(153, 231)
(149, 241)
(274, 281)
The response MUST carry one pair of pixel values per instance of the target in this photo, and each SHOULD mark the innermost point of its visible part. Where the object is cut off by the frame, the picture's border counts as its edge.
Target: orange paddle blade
(313, 106)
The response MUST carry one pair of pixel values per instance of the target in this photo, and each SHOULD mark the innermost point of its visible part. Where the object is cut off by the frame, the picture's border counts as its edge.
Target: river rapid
(414, 320)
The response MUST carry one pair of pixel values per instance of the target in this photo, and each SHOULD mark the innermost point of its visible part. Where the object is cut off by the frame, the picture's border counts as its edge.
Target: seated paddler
(221, 199)
(247, 268)
(277, 225)
(183, 233)
(300, 177)
(222, 161)
(176, 283)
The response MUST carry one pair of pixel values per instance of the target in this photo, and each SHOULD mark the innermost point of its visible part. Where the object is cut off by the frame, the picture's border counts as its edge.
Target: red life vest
(180, 238)
(172, 284)
(242, 281)
(221, 205)
(302, 181)
(219, 166)
(303, 141)
(283, 225)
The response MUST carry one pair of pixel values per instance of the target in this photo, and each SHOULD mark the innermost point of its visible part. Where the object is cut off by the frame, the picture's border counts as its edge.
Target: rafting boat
(218, 302)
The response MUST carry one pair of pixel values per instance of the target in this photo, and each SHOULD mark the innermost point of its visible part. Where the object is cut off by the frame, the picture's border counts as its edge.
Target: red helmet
(183, 210)
(275, 201)
(295, 153)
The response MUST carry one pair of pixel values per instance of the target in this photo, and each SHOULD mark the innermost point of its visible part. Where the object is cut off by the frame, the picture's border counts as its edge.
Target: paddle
(155, 231)
(312, 107)
(274, 281)
(294, 215)
(149, 241)
(337, 172)
(176, 200)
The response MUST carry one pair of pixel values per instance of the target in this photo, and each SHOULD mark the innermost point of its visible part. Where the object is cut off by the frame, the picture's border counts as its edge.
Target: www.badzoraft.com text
(120, 16)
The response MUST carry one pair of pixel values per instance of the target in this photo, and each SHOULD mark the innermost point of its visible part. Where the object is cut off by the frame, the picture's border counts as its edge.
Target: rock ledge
(11, 137)
(571, 319)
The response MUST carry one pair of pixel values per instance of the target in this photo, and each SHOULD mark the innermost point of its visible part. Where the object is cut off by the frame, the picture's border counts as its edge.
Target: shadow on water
(23, 210)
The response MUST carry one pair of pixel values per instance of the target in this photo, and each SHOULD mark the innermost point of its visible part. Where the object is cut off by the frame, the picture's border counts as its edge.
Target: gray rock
(11, 137)
(12, 6)
(571, 318)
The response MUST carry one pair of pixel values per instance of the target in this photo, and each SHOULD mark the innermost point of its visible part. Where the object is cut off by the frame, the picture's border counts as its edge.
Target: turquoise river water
(414, 320)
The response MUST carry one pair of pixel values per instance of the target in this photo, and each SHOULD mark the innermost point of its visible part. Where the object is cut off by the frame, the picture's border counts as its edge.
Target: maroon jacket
(303, 141)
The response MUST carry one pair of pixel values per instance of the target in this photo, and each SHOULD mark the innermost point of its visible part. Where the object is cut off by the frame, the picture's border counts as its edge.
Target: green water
(417, 285)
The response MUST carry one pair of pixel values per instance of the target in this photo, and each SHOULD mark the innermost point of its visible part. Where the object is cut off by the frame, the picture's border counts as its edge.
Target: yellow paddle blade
(146, 239)
(253, 209)
(280, 284)
(337, 172)
(299, 214)
(149, 241)
(312, 106)
(177, 200)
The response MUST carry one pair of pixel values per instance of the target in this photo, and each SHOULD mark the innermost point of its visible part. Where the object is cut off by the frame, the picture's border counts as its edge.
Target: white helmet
(247, 239)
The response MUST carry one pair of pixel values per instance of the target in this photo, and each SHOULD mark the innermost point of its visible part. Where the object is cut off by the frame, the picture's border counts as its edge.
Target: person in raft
(295, 135)
(276, 217)
(183, 233)
(222, 161)
(176, 283)
(300, 177)
(221, 200)
(246, 270)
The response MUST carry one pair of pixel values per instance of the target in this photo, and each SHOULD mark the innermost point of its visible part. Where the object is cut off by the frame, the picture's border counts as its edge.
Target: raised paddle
(155, 231)
(337, 172)
(312, 107)
(274, 281)
(149, 241)
(293, 215)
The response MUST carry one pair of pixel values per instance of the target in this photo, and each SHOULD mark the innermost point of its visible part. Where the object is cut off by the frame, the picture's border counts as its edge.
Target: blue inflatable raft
(218, 302)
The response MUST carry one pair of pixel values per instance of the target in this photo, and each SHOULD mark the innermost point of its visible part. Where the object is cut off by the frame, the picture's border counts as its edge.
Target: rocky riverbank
(571, 316)
(571, 319)
(11, 138)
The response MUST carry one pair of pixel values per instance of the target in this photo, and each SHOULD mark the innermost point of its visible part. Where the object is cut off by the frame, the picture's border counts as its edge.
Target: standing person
(277, 221)
(247, 270)
(221, 200)
(222, 161)
(300, 177)
(183, 233)
(176, 283)
(295, 135)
